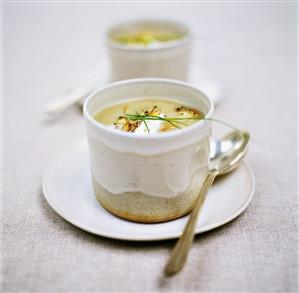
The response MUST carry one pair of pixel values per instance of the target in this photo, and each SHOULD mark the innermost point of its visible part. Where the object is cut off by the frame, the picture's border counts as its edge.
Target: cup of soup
(149, 48)
(149, 146)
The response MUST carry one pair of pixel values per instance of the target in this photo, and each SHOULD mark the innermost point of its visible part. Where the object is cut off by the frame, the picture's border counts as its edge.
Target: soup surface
(146, 38)
(148, 116)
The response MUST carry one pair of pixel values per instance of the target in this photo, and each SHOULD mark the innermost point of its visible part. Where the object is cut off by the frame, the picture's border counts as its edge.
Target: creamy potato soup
(146, 38)
(148, 116)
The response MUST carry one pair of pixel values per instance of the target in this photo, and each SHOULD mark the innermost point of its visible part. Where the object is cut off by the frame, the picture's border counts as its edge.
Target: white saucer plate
(68, 190)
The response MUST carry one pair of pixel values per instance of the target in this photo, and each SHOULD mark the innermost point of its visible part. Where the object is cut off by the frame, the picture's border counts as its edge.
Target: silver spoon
(226, 155)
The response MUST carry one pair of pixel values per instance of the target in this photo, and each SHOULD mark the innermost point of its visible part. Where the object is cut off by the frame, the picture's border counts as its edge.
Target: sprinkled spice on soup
(148, 116)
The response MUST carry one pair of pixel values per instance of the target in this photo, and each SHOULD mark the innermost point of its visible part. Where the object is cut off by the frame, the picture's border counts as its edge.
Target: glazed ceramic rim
(145, 136)
(186, 39)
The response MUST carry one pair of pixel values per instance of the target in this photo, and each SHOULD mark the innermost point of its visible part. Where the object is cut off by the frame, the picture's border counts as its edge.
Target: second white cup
(164, 60)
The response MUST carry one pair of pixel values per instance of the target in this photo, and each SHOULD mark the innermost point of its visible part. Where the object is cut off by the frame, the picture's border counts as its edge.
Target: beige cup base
(143, 208)
(141, 218)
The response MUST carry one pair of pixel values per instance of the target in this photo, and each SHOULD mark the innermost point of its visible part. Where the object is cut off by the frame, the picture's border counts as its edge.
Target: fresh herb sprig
(172, 120)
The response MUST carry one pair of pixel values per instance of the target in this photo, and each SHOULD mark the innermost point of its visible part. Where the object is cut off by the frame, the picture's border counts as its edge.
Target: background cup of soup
(141, 176)
(149, 48)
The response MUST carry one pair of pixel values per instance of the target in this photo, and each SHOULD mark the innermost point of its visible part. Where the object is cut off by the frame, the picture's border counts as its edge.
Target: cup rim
(144, 136)
(178, 43)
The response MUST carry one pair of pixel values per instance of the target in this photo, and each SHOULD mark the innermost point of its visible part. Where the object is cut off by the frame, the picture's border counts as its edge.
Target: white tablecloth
(248, 48)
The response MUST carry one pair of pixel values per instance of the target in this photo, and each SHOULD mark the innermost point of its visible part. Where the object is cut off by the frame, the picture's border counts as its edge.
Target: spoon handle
(180, 252)
(61, 104)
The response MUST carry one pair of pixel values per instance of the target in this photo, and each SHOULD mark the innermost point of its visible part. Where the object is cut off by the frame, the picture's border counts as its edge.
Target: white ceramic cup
(166, 60)
(148, 177)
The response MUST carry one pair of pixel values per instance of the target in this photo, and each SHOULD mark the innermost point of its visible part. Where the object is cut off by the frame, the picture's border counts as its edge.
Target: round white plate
(68, 190)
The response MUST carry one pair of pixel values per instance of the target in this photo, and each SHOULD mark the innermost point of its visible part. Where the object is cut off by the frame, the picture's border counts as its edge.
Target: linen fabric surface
(247, 48)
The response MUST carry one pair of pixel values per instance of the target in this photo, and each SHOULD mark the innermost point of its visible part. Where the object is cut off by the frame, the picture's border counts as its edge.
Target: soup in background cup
(141, 176)
(149, 48)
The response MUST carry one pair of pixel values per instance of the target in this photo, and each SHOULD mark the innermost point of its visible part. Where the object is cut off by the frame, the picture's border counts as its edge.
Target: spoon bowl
(227, 154)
